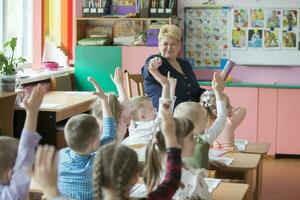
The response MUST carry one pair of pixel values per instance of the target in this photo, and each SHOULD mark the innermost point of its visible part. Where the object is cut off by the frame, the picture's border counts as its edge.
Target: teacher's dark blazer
(187, 88)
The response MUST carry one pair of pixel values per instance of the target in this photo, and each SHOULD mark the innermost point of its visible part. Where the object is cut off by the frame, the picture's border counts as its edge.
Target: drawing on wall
(238, 40)
(206, 36)
(289, 39)
(271, 39)
(240, 18)
(290, 19)
(255, 38)
(257, 17)
(273, 18)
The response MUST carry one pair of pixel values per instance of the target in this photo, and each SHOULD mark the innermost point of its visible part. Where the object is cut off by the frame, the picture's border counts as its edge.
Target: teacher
(187, 88)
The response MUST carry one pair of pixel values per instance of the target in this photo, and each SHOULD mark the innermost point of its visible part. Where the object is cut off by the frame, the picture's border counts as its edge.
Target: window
(16, 21)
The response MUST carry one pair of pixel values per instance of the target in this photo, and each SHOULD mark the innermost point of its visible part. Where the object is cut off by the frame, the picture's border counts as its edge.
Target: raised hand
(45, 170)
(218, 83)
(99, 92)
(172, 83)
(118, 76)
(33, 103)
(168, 126)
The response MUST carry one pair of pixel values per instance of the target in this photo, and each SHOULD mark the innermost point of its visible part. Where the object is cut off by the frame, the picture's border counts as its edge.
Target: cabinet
(288, 123)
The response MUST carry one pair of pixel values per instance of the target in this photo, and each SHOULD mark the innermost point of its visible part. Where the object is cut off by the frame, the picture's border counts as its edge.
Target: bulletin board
(258, 34)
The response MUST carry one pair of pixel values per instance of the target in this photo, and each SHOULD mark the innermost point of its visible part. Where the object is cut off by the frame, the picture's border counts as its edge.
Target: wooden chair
(139, 81)
(61, 83)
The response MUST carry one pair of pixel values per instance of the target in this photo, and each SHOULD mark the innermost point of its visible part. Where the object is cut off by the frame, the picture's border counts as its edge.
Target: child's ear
(134, 180)
(95, 143)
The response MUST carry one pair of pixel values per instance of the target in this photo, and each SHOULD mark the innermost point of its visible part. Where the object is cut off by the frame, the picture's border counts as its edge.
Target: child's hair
(208, 101)
(113, 103)
(156, 148)
(114, 166)
(80, 130)
(191, 111)
(135, 104)
(8, 154)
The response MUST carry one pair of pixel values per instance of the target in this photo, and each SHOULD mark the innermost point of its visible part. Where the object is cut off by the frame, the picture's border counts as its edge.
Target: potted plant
(8, 65)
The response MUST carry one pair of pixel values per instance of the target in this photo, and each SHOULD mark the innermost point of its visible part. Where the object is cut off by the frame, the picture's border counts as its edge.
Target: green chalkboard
(98, 62)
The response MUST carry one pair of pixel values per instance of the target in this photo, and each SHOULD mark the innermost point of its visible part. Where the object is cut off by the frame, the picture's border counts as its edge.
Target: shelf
(123, 18)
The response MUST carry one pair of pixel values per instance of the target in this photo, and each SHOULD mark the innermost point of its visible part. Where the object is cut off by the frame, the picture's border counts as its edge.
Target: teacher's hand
(155, 62)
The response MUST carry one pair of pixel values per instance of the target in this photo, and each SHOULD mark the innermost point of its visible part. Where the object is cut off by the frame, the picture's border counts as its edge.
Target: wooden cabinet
(267, 117)
(245, 97)
(288, 122)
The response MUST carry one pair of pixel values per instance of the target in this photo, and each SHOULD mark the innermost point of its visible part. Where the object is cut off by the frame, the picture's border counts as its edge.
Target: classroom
(149, 99)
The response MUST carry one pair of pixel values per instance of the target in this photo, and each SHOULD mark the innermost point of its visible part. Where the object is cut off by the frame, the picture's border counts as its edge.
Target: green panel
(204, 83)
(98, 62)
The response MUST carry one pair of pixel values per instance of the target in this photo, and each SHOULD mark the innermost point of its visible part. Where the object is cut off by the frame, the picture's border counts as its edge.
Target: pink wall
(37, 34)
(260, 74)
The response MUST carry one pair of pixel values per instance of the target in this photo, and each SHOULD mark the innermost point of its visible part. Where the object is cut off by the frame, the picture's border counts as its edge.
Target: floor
(281, 179)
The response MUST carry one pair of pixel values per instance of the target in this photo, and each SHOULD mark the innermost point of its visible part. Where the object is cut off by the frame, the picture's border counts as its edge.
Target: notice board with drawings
(255, 35)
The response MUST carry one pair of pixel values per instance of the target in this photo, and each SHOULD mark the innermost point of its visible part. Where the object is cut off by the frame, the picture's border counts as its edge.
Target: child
(234, 118)
(206, 133)
(16, 161)
(82, 133)
(116, 168)
(119, 106)
(143, 113)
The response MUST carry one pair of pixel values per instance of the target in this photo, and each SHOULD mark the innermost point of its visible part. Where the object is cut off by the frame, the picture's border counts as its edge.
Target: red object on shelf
(50, 65)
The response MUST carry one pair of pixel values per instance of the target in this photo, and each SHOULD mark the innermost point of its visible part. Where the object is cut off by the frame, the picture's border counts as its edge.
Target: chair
(61, 83)
(139, 81)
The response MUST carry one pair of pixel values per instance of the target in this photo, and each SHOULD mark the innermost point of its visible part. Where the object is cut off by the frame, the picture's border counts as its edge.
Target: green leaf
(13, 43)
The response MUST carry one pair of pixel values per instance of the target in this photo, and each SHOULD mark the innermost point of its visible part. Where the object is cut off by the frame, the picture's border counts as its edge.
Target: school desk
(244, 166)
(262, 149)
(230, 191)
(7, 105)
(58, 106)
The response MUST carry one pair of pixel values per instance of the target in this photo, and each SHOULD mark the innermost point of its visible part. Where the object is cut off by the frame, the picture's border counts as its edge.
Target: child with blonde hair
(119, 105)
(17, 157)
(206, 133)
(234, 118)
(83, 136)
(143, 114)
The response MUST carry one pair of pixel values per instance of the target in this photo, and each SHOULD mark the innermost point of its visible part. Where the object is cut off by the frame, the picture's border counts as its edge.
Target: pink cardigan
(226, 139)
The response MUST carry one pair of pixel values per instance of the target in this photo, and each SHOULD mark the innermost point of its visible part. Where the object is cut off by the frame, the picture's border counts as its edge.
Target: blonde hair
(114, 104)
(115, 165)
(136, 104)
(170, 30)
(80, 130)
(8, 154)
(208, 101)
(191, 110)
(156, 148)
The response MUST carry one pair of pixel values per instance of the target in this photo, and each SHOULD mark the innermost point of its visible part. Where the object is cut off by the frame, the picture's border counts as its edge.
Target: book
(226, 161)
(241, 144)
(212, 183)
(227, 69)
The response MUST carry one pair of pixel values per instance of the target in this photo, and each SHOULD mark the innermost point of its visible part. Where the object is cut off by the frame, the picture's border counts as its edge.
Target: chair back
(139, 81)
(61, 83)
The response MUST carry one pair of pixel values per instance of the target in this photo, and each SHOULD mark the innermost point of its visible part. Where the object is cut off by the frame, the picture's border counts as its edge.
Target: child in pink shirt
(234, 118)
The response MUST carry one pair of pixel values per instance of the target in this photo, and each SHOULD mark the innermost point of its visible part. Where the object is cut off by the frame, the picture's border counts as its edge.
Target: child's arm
(117, 79)
(217, 127)
(238, 116)
(109, 123)
(171, 181)
(19, 182)
(173, 83)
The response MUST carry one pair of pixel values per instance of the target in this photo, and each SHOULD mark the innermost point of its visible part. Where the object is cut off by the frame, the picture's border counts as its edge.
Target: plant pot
(7, 83)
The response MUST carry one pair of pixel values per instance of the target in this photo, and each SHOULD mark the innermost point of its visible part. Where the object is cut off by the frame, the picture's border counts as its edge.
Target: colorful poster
(206, 36)
(238, 39)
(255, 38)
(257, 17)
(290, 19)
(273, 18)
(271, 39)
(289, 40)
(240, 18)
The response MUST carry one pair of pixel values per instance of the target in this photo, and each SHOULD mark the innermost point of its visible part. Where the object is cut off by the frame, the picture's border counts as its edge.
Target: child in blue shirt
(82, 133)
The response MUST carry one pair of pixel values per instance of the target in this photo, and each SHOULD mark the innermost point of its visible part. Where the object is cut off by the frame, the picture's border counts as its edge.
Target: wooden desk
(7, 105)
(262, 149)
(230, 191)
(244, 165)
(70, 104)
